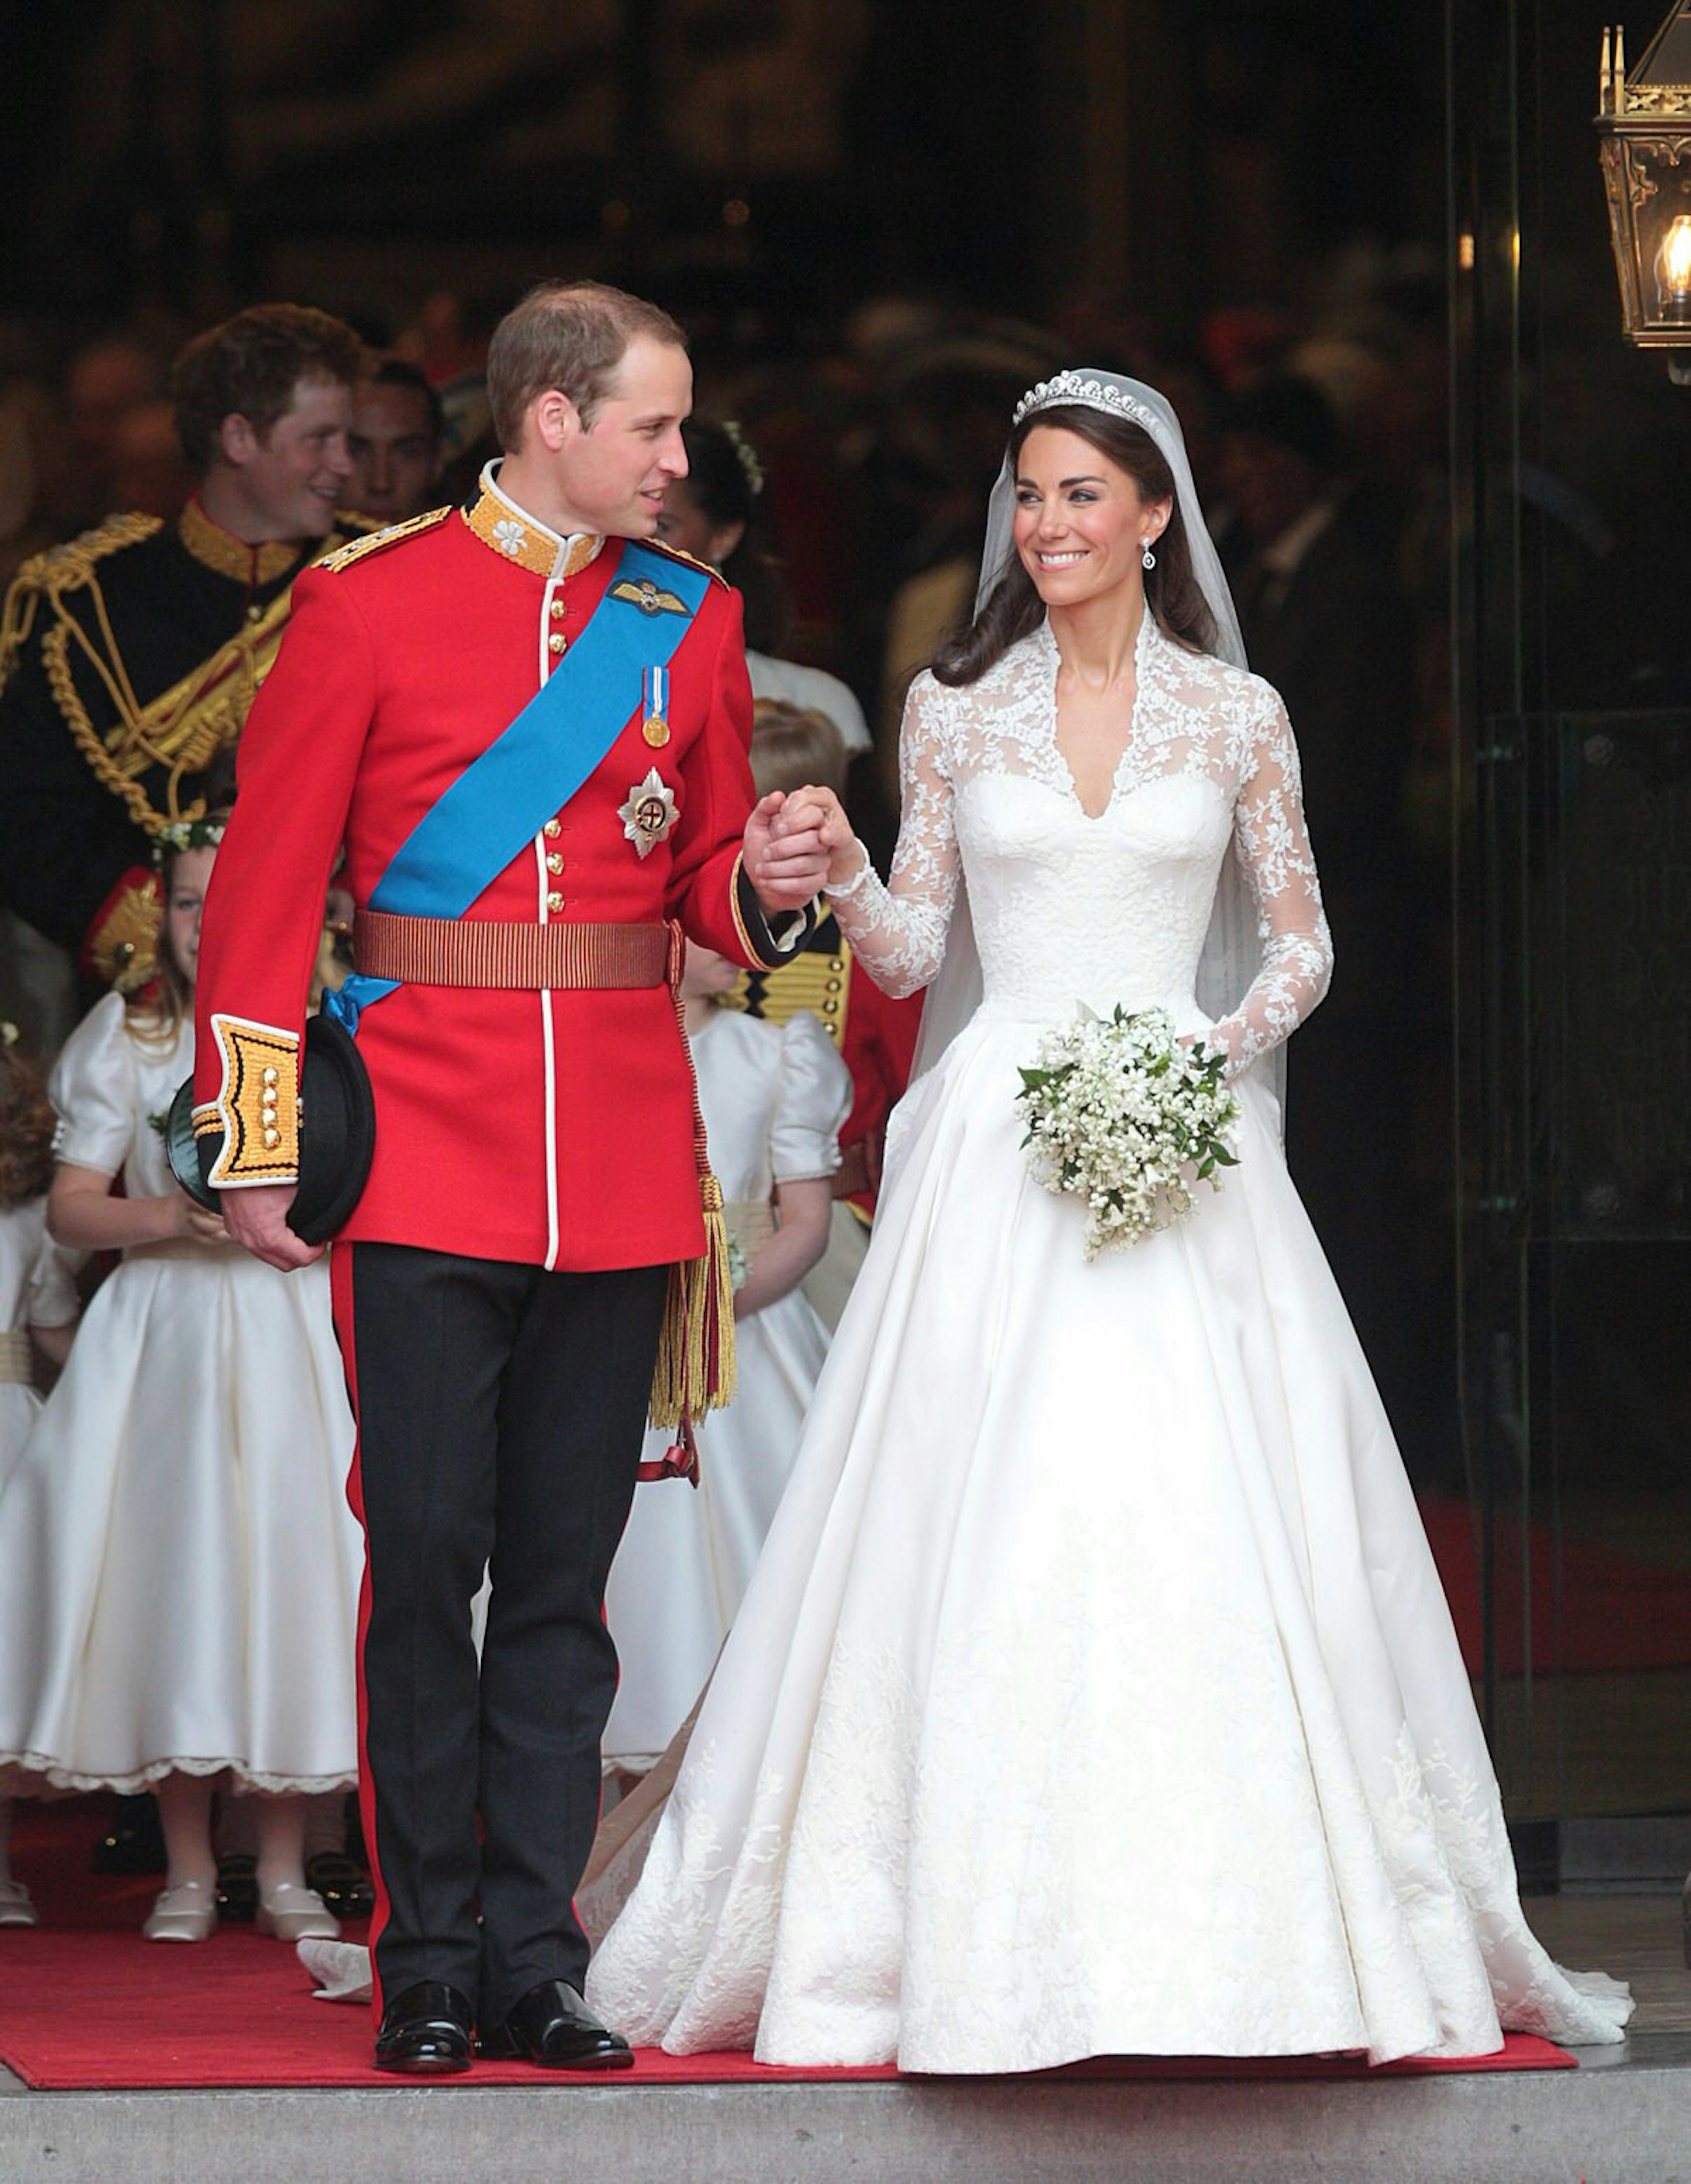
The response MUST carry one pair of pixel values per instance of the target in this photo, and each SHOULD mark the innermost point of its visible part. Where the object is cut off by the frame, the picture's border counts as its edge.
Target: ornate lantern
(1644, 122)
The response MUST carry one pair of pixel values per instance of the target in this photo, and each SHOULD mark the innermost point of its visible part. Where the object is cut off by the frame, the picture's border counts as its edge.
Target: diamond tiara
(1092, 393)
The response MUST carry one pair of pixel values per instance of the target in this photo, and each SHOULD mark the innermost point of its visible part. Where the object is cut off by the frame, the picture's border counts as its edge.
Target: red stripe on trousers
(340, 1290)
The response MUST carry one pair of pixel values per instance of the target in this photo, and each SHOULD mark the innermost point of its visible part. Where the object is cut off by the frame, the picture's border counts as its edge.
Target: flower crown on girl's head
(182, 835)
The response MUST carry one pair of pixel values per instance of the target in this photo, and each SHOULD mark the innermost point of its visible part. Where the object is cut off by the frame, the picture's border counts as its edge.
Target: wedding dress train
(1095, 1692)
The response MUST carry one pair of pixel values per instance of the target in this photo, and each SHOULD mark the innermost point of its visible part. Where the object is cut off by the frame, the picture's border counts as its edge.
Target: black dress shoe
(135, 1841)
(425, 2030)
(345, 1889)
(237, 1886)
(553, 2027)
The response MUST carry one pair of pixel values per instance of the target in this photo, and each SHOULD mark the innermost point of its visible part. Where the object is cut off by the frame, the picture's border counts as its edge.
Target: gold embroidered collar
(519, 537)
(230, 556)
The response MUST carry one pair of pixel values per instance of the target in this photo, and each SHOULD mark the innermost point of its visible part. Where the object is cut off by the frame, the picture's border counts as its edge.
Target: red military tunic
(553, 1129)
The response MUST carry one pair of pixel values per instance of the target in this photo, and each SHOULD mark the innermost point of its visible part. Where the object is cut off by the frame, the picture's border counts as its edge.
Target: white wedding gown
(1095, 1693)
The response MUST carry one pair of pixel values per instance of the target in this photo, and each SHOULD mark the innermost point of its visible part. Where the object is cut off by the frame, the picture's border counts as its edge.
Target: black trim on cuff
(771, 953)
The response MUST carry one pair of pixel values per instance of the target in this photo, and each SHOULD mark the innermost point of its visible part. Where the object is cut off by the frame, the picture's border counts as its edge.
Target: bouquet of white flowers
(1123, 1116)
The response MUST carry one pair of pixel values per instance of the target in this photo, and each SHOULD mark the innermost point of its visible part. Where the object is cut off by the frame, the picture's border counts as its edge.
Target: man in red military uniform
(528, 729)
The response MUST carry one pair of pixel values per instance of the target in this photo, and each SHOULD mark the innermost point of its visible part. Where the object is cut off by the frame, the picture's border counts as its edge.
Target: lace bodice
(1112, 908)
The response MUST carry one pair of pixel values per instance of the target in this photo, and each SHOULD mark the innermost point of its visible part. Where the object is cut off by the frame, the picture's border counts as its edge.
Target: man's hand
(786, 859)
(258, 1219)
(819, 812)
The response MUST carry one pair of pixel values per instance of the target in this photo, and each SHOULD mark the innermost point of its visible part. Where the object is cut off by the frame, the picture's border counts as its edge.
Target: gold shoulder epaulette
(377, 541)
(59, 569)
(675, 553)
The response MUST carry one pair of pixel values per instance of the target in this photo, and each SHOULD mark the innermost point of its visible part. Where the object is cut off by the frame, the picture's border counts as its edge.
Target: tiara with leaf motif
(1090, 393)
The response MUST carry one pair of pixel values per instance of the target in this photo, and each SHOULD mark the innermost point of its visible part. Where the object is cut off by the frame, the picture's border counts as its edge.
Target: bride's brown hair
(1014, 609)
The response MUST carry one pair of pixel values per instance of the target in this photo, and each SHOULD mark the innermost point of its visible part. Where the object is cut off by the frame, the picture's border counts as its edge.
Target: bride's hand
(820, 809)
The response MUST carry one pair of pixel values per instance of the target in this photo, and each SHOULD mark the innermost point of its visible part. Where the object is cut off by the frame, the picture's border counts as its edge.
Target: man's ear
(236, 440)
(553, 419)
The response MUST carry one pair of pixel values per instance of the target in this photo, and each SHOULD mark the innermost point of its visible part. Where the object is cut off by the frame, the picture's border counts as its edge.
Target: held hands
(258, 1219)
(810, 828)
(784, 859)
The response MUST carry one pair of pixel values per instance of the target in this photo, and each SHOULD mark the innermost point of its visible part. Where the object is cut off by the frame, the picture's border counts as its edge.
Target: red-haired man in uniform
(529, 727)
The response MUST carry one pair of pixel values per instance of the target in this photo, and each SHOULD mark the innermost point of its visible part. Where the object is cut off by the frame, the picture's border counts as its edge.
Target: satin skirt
(1096, 1693)
(179, 1567)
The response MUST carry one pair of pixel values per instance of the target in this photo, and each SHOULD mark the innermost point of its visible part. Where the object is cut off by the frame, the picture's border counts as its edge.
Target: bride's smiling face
(1080, 525)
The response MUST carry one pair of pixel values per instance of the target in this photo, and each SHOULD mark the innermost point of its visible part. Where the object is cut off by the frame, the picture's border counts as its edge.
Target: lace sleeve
(898, 932)
(1273, 853)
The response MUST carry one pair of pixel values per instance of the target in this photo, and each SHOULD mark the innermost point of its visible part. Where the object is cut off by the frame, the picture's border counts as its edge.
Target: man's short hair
(249, 366)
(794, 746)
(399, 371)
(571, 335)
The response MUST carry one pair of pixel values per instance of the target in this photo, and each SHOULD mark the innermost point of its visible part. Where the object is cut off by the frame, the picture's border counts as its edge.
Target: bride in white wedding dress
(1095, 1693)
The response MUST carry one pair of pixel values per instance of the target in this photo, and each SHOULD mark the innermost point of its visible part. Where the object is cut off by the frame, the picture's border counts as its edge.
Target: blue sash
(502, 799)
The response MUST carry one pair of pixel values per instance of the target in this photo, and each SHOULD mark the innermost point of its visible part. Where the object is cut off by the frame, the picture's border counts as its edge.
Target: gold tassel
(695, 1365)
(694, 1371)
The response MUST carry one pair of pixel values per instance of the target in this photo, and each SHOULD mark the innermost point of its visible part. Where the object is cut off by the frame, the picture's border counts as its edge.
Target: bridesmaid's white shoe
(290, 1913)
(15, 1907)
(187, 1913)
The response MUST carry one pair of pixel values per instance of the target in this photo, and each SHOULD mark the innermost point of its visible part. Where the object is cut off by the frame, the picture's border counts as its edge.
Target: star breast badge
(648, 814)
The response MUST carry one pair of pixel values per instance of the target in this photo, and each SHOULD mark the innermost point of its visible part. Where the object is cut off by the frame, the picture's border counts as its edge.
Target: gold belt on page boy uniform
(17, 1368)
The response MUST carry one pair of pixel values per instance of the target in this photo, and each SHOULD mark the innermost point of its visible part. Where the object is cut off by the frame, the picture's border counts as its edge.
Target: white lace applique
(1210, 760)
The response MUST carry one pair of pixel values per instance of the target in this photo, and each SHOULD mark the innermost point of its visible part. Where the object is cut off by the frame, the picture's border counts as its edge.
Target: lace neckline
(1146, 648)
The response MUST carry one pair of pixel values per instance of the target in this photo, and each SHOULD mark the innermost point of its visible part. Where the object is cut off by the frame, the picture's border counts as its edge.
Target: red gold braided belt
(461, 951)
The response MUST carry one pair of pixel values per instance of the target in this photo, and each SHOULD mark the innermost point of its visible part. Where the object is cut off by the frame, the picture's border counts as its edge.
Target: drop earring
(1147, 557)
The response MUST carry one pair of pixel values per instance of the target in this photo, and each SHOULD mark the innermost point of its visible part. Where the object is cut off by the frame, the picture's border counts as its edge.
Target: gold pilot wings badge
(650, 598)
(648, 814)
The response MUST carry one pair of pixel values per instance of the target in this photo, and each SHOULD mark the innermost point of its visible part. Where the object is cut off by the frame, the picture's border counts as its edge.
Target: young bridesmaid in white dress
(1095, 1693)
(773, 1098)
(37, 1312)
(179, 1571)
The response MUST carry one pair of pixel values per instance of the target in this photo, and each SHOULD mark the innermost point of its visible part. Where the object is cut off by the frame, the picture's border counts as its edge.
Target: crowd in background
(1318, 441)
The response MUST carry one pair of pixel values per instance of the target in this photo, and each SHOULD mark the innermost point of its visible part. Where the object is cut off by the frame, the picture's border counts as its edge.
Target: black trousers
(500, 1411)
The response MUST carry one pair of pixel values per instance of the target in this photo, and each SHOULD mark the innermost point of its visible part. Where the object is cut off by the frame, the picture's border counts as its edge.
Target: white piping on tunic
(544, 997)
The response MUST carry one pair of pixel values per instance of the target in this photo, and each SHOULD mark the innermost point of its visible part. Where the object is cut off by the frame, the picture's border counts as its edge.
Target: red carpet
(86, 2003)
(1595, 1610)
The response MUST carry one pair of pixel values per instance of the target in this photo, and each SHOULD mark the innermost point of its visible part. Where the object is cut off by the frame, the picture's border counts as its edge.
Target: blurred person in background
(715, 513)
(1326, 621)
(107, 378)
(397, 442)
(128, 658)
(150, 474)
(448, 345)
